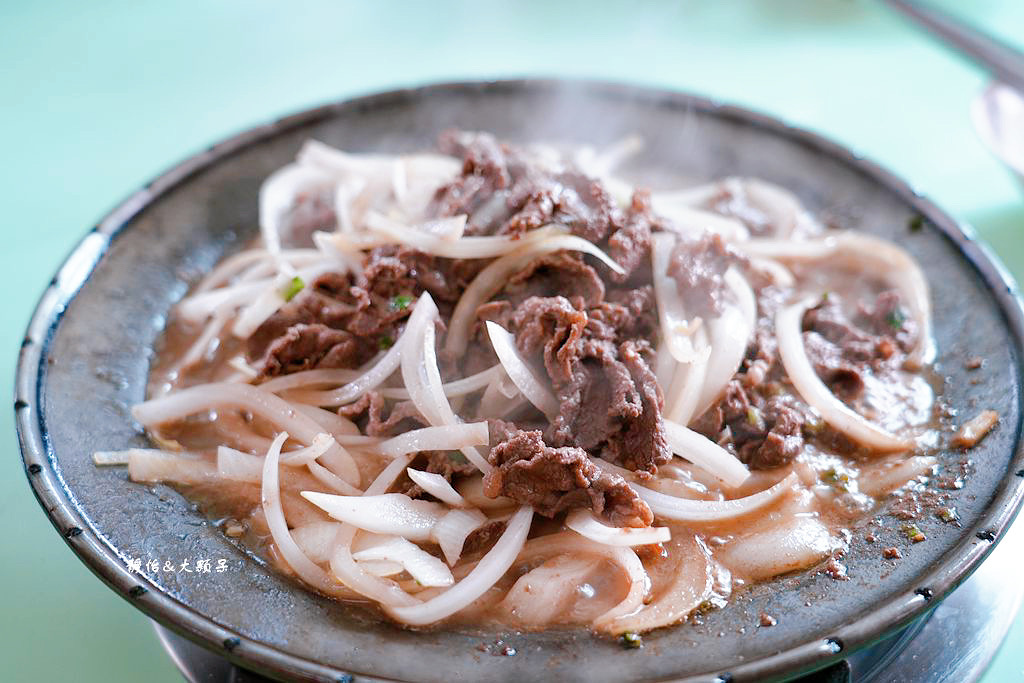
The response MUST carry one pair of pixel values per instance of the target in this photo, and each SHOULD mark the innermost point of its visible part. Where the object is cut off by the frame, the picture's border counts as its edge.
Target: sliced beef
(887, 318)
(630, 245)
(553, 325)
(764, 432)
(641, 445)
(533, 194)
(612, 406)
(698, 267)
(842, 350)
(331, 312)
(563, 273)
(844, 378)
(553, 480)
(305, 346)
(626, 314)
(371, 413)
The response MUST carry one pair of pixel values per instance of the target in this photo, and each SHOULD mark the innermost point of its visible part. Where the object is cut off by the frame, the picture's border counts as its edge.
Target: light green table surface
(97, 97)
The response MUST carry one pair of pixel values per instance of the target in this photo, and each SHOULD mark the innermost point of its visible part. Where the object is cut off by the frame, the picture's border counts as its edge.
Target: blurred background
(99, 97)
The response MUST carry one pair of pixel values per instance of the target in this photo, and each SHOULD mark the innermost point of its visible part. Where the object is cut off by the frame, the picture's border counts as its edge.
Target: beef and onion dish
(499, 385)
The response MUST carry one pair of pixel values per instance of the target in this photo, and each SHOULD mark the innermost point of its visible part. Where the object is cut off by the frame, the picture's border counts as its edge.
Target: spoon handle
(1004, 62)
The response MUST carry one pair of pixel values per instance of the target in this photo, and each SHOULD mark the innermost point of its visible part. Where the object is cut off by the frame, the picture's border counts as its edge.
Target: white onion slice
(458, 387)
(688, 380)
(586, 524)
(423, 378)
(261, 403)
(109, 458)
(421, 565)
(695, 222)
(705, 453)
(729, 334)
(519, 372)
(454, 528)
(443, 438)
(811, 389)
(303, 456)
(688, 510)
(152, 465)
(676, 327)
(381, 567)
(316, 539)
(307, 378)
(238, 466)
(862, 252)
(495, 276)
(278, 194)
(387, 513)
(491, 567)
(348, 571)
(639, 588)
(304, 567)
(437, 486)
(342, 429)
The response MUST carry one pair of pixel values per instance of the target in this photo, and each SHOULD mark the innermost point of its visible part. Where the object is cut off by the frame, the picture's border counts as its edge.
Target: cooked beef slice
(630, 245)
(553, 480)
(503, 192)
(371, 413)
(698, 267)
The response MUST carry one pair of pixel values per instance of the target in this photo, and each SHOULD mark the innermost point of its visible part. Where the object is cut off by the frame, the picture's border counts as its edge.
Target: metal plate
(86, 356)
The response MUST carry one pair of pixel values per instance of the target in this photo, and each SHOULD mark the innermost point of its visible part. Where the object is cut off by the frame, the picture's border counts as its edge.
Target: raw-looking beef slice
(553, 480)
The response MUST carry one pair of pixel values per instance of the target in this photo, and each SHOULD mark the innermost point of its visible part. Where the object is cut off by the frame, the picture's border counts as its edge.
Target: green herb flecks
(835, 478)
(895, 318)
(814, 425)
(294, 286)
(385, 342)
(913, 533)
(948, 515)
(915, 223)
(400, 303)
(631, 641)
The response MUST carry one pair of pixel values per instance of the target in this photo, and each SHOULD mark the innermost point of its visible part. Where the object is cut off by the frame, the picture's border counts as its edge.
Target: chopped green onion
(294, 286)
(913, 533)
(895, 318)
(631, 641)
(915, 223)
(754, 418)
(385, 342)
(840, 481)
(948, 515)
(400, 303)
